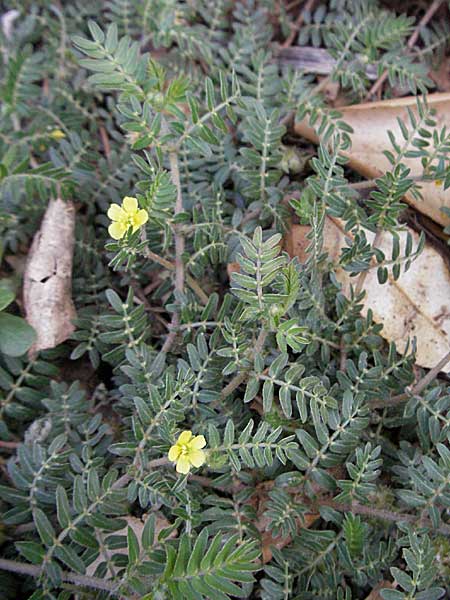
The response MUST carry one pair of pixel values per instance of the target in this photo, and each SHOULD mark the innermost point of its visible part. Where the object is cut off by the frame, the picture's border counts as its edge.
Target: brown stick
(9, 445)
(242, 376)
(362, 276)
(35, 571)
(380, 513)
(412, 40)
(298, 23)
(105, 141)
(420, 385)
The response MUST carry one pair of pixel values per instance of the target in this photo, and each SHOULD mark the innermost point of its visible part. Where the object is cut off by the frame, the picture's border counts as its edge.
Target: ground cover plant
(223, 422)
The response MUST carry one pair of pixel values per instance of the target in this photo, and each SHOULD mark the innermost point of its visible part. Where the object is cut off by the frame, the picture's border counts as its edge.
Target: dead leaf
(370, 123)
(441, 75)
(375, 593)
(416, 305)
(268, 541)
(233, 267)
(47, 287)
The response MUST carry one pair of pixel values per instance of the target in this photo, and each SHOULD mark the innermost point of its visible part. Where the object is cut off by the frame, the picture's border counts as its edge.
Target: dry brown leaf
(48, 277)
(375, 593)
(370, 123)
(416, 305)
(268, 541)
(262, 523)
(441, 75)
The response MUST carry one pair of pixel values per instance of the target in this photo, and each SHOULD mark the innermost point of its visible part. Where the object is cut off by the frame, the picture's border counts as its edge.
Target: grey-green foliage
(185, 106)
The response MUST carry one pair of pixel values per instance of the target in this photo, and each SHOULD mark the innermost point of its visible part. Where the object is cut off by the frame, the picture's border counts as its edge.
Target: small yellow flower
(126, 216)
(187, 451)
(57, 134)
(438, 182)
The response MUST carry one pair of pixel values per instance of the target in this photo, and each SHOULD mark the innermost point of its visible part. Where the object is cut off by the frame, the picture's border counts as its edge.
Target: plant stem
(362, 276)
(35, 571)
(381, 513)
(371, 183)
(412, 40)
(416, 389)
(242, 376)
(171, 267)
(179, 249)
(298, 23)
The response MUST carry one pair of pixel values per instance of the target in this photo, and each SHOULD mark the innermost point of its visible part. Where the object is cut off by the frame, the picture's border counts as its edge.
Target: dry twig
(412, 40)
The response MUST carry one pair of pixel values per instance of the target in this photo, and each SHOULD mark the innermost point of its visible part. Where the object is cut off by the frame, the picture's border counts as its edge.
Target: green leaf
(44, 527)
(32, 551)
(6, 296)
(133, 546)
(62, 507)
(16, 336)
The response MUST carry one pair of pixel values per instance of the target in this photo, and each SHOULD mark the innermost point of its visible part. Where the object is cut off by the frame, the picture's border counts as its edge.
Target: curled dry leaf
(383, 585)
(416, 305)
(47, 288)
(370, 123)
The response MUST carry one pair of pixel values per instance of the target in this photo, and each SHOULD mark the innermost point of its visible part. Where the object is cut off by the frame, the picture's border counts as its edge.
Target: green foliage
(16, 336)
(319, 457)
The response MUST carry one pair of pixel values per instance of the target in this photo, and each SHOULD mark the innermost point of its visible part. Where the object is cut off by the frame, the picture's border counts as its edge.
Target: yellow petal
(141, 218)
(130, 204)
(57, 134)
(197, 457)
(183, 465)
(197, 442)
(115, 213)
(174, 453)
(117, 230)
(184, 437)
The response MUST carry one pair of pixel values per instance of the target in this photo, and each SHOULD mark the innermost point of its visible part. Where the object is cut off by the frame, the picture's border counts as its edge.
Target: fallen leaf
(47, 290)
(416, 305)
(268, 541)
(441, 75)
(371, 122)
(375, 593)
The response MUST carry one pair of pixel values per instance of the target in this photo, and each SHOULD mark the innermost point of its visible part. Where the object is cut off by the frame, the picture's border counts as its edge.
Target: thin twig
(342, 356)
(126, 477)
(179, 249)
(412, 40)
(372, 183)
(105, 141)
(298, 23)
(171, 267)
(362, 276)
(9, 445)
(242, 376)
(382, 514)
(35, 571)
(416, 389)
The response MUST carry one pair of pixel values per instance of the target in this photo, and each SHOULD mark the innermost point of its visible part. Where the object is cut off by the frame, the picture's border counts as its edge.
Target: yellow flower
(57, 134)
(126, 216)
(187, 451)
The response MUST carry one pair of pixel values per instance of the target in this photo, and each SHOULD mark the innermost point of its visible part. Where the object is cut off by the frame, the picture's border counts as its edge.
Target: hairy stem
(362, 276)
(242, 376)
(298, 23)
(35, 571)
(412, 40)
(416, 389)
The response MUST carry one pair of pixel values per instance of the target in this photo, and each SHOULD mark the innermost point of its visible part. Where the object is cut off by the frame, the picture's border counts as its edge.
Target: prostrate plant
(214, 437)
